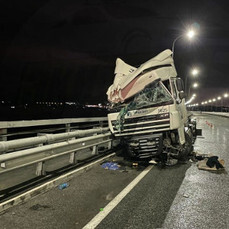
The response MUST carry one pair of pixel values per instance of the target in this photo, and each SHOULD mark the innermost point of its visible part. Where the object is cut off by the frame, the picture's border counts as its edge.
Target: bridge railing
(18, 129)
(23, 159)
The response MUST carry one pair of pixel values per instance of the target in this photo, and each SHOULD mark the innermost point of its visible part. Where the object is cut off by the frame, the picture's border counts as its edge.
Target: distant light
(202, 103)
(190, 34)
(219, 98)
(194, 95)
(195, 85)
(206, 102)
(12, 107)
(195, 72)
(70, 103)
(225, 95)
(214, 100)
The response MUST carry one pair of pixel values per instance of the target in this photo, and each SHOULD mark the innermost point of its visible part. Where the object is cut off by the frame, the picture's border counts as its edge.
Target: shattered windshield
(155, 94)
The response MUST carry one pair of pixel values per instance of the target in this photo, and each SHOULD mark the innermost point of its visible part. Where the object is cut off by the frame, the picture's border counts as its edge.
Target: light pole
(190, 34)
(194, 72)
(195, 85)
(225, 96)
(213, 100)
(219, 99)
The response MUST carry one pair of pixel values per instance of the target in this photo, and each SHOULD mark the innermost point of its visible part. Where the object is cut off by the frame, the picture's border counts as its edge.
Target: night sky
(65, 50)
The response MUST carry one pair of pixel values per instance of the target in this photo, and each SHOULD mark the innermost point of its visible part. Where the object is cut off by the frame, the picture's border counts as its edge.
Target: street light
(195, 71)
(225, 95)
(195, 85)
(190, 34)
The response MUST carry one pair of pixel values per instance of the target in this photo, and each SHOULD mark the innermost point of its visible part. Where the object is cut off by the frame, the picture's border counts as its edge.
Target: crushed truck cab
(148, 109)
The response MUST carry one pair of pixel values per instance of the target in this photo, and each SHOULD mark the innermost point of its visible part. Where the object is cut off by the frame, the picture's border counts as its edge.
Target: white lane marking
(101, 215)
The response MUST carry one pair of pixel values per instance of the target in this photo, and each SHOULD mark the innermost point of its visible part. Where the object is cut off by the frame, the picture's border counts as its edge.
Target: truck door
(179, 95)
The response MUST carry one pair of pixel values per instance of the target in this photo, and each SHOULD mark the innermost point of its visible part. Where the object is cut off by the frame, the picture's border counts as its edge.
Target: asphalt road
(176, 197)
(203, 198)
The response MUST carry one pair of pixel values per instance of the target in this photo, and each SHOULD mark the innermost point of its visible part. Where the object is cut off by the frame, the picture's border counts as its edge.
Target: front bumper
(145, 146)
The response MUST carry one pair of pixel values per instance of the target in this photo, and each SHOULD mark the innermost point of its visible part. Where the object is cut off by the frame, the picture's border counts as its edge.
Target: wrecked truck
(147, 109)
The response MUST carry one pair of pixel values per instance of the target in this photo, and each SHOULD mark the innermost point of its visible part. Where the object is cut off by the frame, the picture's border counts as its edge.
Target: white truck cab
(148, 109)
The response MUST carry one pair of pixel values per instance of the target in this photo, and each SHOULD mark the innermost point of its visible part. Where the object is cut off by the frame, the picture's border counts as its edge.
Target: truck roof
(128, 78)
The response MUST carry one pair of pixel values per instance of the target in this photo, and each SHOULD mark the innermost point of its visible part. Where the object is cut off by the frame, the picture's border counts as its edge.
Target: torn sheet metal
(130, 80)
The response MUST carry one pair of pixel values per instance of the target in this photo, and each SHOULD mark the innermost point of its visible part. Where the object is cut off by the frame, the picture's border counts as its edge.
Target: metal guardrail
(28, 158)
(27, 123)
(7, 127)
(47, 139)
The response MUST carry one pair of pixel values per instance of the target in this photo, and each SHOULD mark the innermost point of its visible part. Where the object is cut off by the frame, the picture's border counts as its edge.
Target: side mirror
(182, 95)
(180, 84)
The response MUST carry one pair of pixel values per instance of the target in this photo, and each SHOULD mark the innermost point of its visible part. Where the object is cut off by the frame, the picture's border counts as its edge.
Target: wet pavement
(147, 205)
(73, 206)
(203, 198)
(176, 197)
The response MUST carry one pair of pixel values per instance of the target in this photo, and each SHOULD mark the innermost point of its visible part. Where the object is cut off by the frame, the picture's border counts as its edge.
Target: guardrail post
(101, 123)
(67, 127)
(2, 133)
(109, 144)
(72, 159)
(95, 148)
(40, 168)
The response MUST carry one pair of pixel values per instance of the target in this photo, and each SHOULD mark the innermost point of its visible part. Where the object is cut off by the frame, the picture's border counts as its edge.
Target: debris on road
(186, 195)
(63, 186)
(135, 165)
(110, 166)
(38, 207)
(198, 156)
(213, 161)
(211, 164)
(207, 161)
(171, 161)
(153, 162)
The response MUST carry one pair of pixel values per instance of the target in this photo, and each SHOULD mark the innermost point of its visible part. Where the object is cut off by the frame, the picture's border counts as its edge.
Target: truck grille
(145, 146)
(143, 124)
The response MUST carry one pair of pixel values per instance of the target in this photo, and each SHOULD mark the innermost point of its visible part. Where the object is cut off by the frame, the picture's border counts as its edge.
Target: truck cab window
(167, 85)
